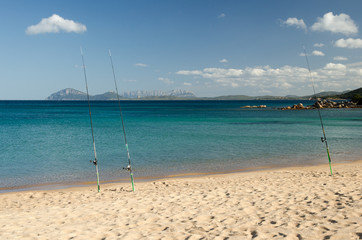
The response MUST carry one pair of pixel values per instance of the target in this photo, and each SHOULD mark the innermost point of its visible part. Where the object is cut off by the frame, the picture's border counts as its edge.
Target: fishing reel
(93, 161)
(323, 139)
(128, 168)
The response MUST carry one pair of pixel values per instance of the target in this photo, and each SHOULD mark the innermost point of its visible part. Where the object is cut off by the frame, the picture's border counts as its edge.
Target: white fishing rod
(95, 162)
(128, 168)
(324, 138)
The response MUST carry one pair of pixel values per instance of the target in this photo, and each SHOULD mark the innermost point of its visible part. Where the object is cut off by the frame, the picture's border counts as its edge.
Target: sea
(48, 144)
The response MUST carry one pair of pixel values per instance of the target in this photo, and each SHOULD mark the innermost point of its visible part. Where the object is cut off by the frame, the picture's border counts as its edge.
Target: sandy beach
(288, 203)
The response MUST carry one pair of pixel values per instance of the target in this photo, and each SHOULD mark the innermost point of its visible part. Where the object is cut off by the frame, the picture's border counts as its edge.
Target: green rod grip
(132, 181)
(330, 162)
(99, 188)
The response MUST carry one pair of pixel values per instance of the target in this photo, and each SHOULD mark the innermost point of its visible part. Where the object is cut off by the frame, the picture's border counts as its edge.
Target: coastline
(85, 184)
(293, 202)
(88, 184)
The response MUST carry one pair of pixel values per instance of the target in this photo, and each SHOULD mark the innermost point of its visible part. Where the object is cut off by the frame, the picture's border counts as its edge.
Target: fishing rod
(95, 162)
(128, 168)
(324, 138)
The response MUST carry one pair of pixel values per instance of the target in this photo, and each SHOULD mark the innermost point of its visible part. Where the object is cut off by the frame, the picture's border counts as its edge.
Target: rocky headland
(325, 103)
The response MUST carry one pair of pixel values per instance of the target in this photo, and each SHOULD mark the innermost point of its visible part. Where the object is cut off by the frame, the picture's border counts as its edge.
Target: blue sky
(211, 48)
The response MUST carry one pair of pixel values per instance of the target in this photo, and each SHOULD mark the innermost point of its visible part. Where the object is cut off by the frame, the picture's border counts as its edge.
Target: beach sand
(288, 203)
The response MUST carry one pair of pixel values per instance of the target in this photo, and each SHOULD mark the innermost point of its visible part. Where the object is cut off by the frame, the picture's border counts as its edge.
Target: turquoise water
(50, 142)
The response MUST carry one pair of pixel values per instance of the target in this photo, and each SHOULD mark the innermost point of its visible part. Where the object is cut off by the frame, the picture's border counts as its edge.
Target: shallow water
(48, 142)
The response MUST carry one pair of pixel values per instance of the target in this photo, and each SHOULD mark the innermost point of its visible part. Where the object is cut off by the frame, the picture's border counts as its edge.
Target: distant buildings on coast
(157, 93)
(73, 94)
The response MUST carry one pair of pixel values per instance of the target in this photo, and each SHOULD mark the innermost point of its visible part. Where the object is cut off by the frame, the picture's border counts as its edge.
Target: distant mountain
(325, 94)
(292, 96)
(328, 94)
(228, 97)
(351, 94)
(73, 94)
(68, 94)
(244, 97)
(105, 96)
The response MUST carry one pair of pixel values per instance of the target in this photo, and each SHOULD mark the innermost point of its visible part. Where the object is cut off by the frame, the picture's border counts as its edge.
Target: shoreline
(80, 184)
(88, 184)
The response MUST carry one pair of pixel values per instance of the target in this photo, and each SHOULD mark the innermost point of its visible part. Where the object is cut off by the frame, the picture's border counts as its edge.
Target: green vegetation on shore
(355, 96)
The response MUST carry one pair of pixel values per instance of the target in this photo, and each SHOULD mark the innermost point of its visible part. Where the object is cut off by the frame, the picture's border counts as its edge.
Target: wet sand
(288, 203)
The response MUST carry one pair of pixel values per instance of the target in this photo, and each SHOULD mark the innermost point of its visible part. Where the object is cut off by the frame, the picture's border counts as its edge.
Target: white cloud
(165, 80)
(336, 24)
(349, 43)
(355, 65)
(282, 80)
(187, 84)
(141, 65)
(55, 24)
(187, 72)
(298, 23)
(340, 58)
(335, 66)
(222, 15)
(314, 53)
(282, 85)
(318, 53)
(224, 60)
(220, 72)
(256, 72)
(334, 70)
(318, 45)
(248, 76)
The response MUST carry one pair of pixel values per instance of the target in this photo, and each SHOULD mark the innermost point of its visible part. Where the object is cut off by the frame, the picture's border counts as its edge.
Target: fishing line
(95, 162)
(324, 138)
(128, 168)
